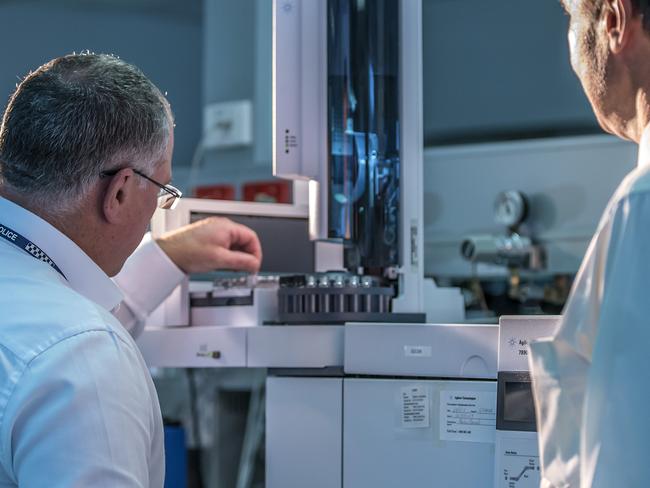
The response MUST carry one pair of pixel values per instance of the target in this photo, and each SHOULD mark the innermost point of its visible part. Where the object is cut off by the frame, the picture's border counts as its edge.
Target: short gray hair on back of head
(74, 117)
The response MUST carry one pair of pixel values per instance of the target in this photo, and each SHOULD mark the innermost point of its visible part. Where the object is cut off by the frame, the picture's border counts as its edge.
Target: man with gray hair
(591, 381)
(85, 158)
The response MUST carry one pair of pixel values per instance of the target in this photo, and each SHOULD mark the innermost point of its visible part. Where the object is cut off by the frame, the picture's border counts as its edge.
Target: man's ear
(618, 16)
(115, 202)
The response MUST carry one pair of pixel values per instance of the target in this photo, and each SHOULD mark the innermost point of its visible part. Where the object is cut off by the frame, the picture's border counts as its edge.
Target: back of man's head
(73, 118)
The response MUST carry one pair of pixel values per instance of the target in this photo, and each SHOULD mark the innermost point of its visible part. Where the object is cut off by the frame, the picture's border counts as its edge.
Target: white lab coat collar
(82, 273)
(644, 148)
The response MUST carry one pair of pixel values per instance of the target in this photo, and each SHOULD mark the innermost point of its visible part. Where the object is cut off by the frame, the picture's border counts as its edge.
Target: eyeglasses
(168, 195)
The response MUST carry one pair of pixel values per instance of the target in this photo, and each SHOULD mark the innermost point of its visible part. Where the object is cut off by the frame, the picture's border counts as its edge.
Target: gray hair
(74, 117)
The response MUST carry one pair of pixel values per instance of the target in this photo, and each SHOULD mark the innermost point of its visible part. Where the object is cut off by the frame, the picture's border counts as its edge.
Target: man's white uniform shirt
(592, 380)
(78, 407)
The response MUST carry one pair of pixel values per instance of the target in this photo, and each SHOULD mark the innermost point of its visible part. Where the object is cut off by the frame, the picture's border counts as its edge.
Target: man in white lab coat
(85, 158)
(592, 380)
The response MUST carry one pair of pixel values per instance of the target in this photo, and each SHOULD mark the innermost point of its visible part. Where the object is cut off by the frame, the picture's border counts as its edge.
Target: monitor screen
(518, 402)
(285, 241)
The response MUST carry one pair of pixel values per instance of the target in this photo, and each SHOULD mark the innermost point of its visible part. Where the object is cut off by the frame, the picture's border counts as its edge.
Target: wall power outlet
(228, 124)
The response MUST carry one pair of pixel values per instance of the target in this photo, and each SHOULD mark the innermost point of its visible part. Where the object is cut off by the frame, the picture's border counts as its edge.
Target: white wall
(237, 61)
(499, 67)
(224, 54)
(166, 47)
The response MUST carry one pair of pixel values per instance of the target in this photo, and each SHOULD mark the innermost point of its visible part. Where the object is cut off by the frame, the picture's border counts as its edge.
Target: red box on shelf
(267, 191)
(215, 192)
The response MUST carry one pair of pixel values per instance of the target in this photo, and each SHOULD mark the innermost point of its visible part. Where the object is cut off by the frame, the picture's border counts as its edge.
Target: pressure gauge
(510, 208)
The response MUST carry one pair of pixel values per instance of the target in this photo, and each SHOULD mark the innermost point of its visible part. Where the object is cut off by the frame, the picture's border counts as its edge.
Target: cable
(195, 166)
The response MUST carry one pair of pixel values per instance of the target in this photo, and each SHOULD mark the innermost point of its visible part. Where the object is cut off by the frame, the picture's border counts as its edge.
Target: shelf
(295, 346)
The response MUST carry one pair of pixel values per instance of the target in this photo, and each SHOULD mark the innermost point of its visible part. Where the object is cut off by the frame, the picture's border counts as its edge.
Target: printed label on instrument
(417, 351)
(468, 416)
(415, 407)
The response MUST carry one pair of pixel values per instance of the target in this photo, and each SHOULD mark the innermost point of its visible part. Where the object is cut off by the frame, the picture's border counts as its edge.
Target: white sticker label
(468, 416)
(517, 461)
(417, 351)
(415, 407)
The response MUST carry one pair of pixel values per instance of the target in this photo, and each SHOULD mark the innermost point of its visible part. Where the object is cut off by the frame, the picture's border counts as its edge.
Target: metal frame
(300, 101)
(412, 146)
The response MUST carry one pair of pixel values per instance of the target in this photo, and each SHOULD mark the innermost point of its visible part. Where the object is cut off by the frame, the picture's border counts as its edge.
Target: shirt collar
(82, 273)
(644, 148)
